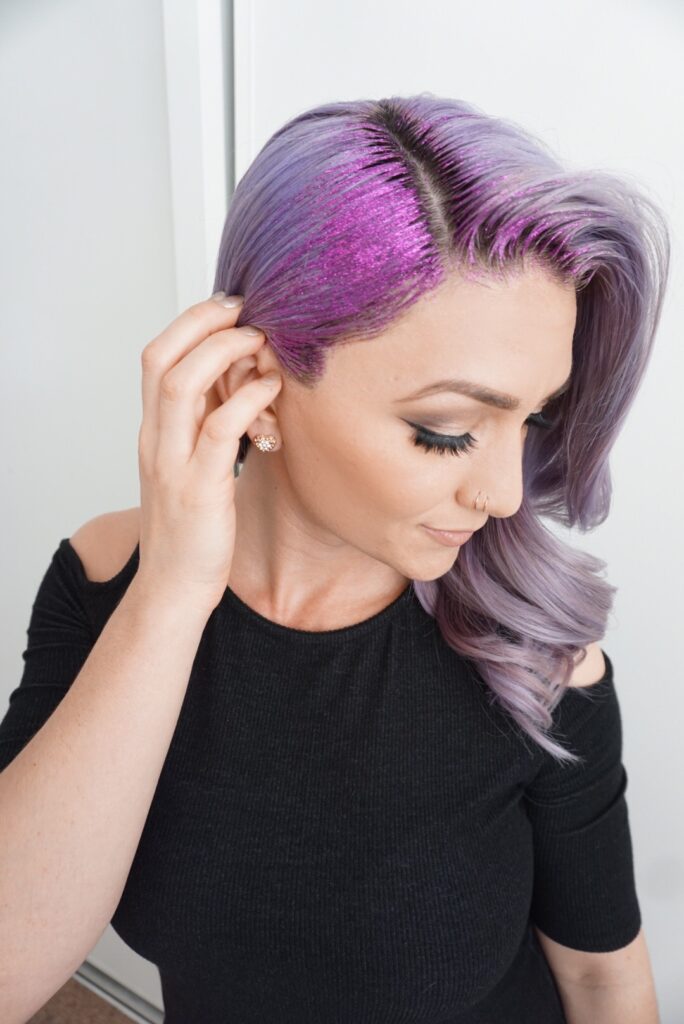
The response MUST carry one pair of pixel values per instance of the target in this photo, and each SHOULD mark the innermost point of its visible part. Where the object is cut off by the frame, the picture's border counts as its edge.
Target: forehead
(512, 334)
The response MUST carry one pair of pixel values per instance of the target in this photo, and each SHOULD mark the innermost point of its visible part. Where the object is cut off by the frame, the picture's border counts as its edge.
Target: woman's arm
(604, 988)
(631, 1003)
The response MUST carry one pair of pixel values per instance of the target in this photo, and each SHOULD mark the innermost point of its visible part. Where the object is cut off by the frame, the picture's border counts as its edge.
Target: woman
(355, 768)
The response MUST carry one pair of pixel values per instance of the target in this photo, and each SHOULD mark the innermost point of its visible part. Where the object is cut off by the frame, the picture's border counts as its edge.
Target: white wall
(88, 272)
(106, 109)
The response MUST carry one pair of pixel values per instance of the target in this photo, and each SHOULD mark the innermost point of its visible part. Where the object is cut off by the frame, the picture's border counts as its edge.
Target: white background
(121, 141)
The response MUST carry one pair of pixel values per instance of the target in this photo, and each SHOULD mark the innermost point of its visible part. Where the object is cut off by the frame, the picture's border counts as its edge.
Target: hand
(186, 458)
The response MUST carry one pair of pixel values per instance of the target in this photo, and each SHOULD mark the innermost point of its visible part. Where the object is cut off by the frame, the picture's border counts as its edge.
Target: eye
(442, 443)
(458, 444)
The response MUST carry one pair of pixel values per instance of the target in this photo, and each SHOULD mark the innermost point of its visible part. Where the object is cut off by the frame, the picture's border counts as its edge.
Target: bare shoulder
(591, 669)
(105, 543)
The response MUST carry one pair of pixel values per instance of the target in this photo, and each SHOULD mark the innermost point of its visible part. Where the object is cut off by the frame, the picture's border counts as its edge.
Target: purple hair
(354, 210)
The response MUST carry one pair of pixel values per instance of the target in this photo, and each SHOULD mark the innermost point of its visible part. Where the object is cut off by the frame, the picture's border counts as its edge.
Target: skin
(328, 524)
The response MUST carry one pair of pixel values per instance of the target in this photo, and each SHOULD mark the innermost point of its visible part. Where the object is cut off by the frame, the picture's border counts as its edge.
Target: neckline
(355, 629)
(250, 614)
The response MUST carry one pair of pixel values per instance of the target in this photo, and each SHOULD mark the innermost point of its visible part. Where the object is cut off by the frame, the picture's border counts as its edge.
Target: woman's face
(347, 464)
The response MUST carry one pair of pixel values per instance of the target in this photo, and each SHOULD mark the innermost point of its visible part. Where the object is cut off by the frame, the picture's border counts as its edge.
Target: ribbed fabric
(345, 829)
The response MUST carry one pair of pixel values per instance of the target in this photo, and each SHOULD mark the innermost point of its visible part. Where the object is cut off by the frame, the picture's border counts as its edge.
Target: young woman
(324, 727)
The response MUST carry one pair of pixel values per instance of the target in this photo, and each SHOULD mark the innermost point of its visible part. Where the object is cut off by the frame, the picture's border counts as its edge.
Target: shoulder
(105, 543)
(591, 669)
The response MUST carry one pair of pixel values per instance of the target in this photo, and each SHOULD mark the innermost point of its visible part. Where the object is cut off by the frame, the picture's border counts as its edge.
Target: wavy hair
(351, 212)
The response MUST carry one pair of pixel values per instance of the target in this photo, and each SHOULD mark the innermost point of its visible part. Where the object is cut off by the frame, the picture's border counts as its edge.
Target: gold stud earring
(265, 442)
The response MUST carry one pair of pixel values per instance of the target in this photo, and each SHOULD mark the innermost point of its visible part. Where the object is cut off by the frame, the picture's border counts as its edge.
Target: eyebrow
(499, 399)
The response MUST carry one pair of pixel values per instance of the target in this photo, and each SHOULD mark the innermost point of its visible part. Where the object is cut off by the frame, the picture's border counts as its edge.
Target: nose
(497, 473)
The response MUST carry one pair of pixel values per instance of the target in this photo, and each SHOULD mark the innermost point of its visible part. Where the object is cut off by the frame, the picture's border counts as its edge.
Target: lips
(450, 529)
(450, 537)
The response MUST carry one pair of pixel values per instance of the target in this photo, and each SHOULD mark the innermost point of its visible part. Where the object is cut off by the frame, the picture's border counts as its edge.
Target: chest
(336, 831)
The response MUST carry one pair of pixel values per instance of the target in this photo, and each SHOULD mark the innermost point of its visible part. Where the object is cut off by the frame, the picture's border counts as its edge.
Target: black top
(346, 830)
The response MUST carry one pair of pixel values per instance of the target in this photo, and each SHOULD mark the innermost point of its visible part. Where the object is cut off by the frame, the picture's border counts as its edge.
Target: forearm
(74, 801)
(587, 1003)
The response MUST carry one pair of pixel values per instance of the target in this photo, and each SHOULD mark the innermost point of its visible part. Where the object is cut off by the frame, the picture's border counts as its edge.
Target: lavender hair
(354, 210)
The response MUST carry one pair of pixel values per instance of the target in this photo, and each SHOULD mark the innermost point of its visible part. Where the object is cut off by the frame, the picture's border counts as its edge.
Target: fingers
(166, 349)
(218, 441)
(184, 383)
(166, 382)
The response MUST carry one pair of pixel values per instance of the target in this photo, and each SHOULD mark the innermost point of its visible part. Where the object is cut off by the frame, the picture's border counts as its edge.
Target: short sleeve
(59, 639)
(584, 892)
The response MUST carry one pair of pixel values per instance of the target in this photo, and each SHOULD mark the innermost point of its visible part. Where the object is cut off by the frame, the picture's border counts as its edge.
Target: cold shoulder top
(346, 829)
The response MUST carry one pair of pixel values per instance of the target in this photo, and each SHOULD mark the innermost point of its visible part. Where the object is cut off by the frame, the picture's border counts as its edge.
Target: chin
(425, 576)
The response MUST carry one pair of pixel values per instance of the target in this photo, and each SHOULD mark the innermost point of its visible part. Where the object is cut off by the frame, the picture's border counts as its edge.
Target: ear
(238, 374)
(243, 370)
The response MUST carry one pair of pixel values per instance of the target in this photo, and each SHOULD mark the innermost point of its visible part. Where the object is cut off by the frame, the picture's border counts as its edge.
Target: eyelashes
(442, 443)
(458, 445)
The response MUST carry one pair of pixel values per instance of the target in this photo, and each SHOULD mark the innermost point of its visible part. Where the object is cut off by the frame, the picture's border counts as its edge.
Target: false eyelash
(442, 443)
(457, 445)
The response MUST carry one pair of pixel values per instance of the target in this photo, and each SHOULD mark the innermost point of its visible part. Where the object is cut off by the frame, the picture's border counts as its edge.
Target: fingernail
(218, 295)
(232, 300)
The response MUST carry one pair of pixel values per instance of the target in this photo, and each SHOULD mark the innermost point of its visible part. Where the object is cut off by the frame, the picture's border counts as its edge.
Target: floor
(76, 1004)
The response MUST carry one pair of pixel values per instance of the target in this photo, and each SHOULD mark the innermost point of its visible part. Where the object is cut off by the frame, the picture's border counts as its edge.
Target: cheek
(350, 474)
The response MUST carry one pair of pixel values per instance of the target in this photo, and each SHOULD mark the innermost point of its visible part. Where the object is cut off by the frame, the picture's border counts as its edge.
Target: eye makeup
(459, 444)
